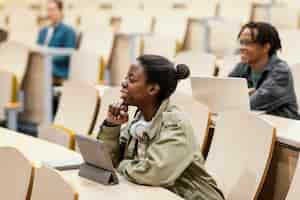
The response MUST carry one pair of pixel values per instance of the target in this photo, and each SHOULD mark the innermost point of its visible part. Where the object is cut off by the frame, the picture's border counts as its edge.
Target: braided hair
(266, 33)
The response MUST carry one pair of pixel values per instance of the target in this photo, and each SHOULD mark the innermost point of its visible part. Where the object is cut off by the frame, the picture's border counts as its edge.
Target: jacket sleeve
(165, 159)
(41, 36)
(110, 136)
(69, 42)
(115, 139)
(272, 91)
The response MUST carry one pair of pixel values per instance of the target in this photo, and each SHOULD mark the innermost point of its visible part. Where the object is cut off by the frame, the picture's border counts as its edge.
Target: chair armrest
(13, 106)
(57, 134)
(12, 110)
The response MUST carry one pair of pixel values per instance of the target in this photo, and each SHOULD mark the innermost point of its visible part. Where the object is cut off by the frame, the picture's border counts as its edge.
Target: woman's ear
(153, 89)
(267, 47)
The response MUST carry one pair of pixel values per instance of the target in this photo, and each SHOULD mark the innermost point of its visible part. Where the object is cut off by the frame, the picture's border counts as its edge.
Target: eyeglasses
(246, 42)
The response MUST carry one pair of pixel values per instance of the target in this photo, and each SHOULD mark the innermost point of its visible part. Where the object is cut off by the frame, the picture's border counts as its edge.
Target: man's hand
(251, 91)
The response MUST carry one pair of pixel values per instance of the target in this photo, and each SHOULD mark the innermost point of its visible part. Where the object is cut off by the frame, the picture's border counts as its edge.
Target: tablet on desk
(98, 164)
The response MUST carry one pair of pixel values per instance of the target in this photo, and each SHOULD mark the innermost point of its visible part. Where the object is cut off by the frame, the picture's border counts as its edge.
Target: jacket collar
(269, 66)
(155, 122)
(273, 59)
(56, 26)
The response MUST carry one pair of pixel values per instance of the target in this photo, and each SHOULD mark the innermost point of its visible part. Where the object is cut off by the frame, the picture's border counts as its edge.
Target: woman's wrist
(109, 124)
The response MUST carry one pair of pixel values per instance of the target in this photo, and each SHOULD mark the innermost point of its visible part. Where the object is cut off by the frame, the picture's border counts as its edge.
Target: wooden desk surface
(288, 130)
(51, 50)
(89, 190)
(35, 149)
(42, 151)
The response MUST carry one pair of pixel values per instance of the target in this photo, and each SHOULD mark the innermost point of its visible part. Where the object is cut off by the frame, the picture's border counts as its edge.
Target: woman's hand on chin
(117, 114)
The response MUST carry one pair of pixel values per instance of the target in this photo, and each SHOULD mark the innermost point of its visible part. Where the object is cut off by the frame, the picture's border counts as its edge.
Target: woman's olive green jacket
(163, 156)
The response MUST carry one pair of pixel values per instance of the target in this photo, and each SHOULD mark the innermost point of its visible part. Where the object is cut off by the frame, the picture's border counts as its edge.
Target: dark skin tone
(135, 92)
(252, 53)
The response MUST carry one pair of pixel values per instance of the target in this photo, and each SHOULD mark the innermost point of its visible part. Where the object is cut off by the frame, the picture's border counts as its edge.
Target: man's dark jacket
(275, 91)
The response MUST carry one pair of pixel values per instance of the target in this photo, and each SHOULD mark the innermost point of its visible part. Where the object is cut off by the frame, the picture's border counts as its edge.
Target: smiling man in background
(270, 81)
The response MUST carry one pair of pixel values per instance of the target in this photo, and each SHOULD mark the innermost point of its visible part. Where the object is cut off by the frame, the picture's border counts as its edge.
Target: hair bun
(182, 71)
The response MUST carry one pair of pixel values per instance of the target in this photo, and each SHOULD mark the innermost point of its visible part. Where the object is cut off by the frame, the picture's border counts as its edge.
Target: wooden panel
(6, 91)
(50, 184)
(15, 172)
(195, 38)
(221, 94)
(120, 59)
(35, 149)
(34, 90)
(72, 116)
(281, 172)
(239, 157)
(89, 190)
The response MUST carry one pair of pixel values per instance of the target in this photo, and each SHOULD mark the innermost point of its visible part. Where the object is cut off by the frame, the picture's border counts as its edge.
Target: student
(270, 81)
(156, 147)
(57, 35)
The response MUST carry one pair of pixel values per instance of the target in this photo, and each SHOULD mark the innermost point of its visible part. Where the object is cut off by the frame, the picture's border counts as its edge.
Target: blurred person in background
(58, 35)
(270, 82)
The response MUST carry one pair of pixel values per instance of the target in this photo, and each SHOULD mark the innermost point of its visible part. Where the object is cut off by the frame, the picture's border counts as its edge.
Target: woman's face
(135, 91)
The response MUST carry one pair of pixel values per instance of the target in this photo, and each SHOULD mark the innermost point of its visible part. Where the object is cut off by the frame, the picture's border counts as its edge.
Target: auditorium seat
(133, 21)
(202, 8)
(14, 58)
(165, 26)
(295, 69)
(227, 64)
(221, 94)
(290, 45)
(72, 18)
(152, 6)
(223, 37)
(232, 10)
(22, 19)
(50, 184)
(92, 19)
(7, 92)
(76, 113)
(16, 173)
(98, 41)
(26, 37)
(160, 45)
(126, 48)
(199, 116)
(200, 64)
(34, 111)
(197, 35)
(293, 193)
(284, 16)
(239, 156)
(85, 66)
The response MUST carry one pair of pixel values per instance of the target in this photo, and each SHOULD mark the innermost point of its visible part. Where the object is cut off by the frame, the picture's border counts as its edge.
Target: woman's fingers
(117, 113)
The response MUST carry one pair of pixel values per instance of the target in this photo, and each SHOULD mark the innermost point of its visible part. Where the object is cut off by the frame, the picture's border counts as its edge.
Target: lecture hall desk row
(285, 156)
(42, 151)
(276, 186)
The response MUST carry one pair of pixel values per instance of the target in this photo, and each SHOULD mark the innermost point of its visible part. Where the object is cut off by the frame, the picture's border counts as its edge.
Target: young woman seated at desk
(156, 147)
